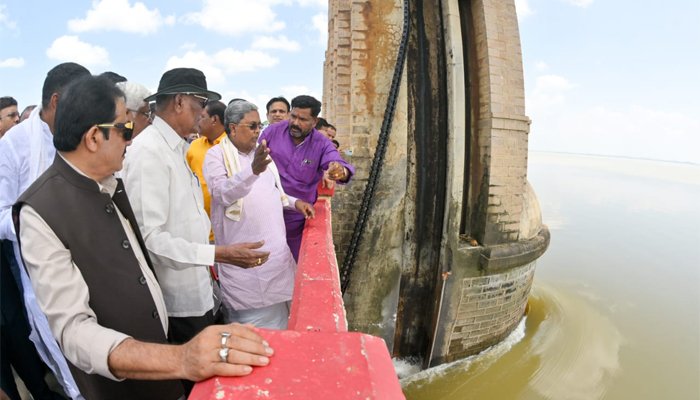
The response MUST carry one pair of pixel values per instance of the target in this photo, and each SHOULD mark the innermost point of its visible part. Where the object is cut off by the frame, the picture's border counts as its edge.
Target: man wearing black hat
(169, 206)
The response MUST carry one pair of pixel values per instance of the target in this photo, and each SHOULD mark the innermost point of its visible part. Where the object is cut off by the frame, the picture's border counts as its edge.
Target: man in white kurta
(247, 203)
(26, 151)
(169, 207)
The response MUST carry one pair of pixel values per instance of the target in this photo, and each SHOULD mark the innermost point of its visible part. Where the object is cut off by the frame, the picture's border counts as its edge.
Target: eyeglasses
(146, 114)
(203, 101)
(12, 115)
(253, 125)
(127, 129)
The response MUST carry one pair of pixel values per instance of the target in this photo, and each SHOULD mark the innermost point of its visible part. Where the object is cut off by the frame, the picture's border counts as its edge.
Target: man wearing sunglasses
(247, 201)
(169, 205)
(91, 271)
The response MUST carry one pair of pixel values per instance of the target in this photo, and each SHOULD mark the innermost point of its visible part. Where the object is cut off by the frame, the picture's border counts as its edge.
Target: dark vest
(86, 222)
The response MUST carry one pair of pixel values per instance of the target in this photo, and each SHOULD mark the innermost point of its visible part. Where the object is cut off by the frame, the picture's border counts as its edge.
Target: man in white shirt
(26, 151)
(169, 206)
(90, 270)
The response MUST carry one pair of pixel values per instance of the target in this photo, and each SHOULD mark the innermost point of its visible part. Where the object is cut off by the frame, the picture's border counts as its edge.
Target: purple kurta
(301, 168)
(261, 219)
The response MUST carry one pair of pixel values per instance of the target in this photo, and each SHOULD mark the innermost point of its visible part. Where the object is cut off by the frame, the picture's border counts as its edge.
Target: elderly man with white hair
(247, 202)
(138, 110)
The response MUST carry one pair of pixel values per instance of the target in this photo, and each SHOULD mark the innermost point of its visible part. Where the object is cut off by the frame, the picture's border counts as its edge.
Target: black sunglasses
(127, 129)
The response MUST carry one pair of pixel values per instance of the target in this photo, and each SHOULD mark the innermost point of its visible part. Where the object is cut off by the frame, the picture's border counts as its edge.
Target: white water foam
(409, 371)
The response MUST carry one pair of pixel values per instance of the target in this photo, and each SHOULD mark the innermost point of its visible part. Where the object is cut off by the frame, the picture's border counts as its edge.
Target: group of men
(104, 217)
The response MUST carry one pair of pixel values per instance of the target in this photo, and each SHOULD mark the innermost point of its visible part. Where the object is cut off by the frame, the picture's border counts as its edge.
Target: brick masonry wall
(503, 127)
(489, 309)
(363, 38)
(361, 48)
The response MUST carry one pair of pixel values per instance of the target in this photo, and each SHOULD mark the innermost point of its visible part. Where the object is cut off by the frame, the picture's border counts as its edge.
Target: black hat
(183, 80)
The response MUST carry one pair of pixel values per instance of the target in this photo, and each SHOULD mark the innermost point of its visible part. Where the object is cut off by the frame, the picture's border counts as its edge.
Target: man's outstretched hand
(243, 255)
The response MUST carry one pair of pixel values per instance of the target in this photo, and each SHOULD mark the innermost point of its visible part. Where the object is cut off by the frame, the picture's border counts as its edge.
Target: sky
(613, 77)
(608, 77)
(252, 49)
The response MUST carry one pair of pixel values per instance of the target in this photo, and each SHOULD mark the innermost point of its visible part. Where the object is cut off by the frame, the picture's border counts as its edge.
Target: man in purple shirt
(302, 154)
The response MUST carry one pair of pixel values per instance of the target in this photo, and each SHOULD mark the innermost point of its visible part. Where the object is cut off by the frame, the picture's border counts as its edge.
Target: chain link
(378, 160)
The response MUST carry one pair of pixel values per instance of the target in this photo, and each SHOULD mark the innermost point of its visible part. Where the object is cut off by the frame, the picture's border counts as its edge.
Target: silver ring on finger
(224, 338)
(223, 354)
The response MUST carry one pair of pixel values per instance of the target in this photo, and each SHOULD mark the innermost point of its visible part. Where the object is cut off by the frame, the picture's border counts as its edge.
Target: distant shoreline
(616, 156)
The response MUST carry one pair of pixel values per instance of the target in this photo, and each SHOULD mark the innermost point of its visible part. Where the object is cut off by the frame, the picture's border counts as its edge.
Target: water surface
(615, 306)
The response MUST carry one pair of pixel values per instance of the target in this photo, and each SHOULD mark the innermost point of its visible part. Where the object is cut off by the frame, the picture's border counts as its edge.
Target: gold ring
(259, 261)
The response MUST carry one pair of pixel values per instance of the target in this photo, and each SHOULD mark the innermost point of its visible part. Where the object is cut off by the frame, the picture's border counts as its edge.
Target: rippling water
(615, 307)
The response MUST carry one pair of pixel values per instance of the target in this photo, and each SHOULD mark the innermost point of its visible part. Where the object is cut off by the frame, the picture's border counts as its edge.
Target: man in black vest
(91, 271)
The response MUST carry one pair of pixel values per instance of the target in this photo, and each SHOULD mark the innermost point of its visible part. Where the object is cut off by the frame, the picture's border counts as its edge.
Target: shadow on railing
(316, 357)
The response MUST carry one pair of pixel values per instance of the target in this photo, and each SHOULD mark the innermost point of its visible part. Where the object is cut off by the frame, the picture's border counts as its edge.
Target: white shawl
(38, 162)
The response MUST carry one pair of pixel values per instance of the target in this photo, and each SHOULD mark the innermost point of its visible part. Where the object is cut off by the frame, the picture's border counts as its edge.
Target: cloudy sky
(613, 77)
(606, 77)
(255, 49)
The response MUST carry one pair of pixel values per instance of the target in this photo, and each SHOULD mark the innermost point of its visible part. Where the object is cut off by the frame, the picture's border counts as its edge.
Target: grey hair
(135, 93)
(236, 110)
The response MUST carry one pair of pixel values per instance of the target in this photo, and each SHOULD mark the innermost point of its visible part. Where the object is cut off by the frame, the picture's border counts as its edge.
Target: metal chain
(378, 160)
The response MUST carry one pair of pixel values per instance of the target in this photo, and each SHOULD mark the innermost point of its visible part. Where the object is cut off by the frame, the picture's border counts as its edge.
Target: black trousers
(16, 350)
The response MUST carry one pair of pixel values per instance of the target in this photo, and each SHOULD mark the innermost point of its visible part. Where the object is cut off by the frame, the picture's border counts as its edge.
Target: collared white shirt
(26, 151)
(64, 296)
(168, 204)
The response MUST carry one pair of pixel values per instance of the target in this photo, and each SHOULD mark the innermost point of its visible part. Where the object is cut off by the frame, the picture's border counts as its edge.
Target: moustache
(295, 131)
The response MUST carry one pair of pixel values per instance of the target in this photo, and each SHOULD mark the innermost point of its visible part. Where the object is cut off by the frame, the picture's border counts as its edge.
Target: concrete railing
(316, 357)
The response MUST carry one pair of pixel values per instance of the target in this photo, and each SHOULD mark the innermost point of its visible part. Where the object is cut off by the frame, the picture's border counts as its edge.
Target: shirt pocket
(306, 171)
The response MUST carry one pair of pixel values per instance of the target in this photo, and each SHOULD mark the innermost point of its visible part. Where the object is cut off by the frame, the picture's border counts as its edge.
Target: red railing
(316, 357)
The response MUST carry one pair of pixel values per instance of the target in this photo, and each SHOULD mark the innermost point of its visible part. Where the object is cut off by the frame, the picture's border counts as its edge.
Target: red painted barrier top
(318, 302)
(316, 358)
